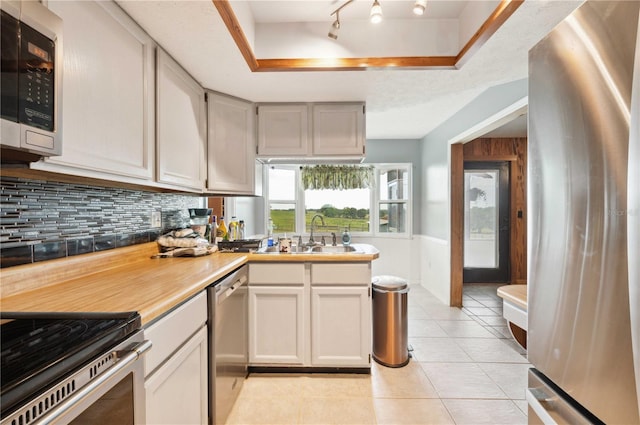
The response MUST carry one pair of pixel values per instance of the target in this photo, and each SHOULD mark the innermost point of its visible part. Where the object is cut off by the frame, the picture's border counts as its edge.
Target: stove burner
(37, 349)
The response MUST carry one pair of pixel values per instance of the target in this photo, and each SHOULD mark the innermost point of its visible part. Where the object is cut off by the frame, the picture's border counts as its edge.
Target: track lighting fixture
(333, 32)
(419, 7)
(375, 16)
(376, 13)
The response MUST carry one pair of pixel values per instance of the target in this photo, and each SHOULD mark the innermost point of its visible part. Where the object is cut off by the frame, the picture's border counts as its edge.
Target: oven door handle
(126, 359)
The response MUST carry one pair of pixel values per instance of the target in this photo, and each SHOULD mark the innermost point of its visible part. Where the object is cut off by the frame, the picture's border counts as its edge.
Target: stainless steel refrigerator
(584, 218)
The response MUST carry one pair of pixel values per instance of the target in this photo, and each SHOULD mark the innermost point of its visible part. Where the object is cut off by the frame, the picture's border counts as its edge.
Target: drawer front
(276, 274)
(341, 274)
(174, 329)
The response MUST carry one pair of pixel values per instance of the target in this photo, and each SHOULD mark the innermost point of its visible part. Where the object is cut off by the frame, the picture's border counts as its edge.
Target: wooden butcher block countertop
(126, 279)
(516, 294)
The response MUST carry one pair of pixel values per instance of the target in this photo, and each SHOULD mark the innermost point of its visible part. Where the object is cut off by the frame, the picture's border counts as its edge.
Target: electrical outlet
(156, 219)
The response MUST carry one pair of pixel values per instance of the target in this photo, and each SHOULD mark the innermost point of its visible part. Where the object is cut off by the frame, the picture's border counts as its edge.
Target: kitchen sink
(318, 249)
(329, 249)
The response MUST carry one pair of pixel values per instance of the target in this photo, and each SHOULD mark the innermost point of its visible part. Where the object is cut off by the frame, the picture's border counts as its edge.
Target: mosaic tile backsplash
(42, 220)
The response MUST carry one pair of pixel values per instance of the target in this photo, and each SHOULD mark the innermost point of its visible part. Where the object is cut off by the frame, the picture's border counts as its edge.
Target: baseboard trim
(303, 369)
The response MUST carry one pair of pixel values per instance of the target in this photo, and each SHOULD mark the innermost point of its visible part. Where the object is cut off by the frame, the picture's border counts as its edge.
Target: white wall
(423, 37)
(398, 257)
(434, 266)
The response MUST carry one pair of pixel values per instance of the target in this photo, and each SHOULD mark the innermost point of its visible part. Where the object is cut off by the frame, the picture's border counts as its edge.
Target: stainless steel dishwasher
(228, 342)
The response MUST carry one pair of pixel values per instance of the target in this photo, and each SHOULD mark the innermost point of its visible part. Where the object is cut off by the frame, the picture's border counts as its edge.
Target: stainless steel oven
(31, 80)
(74, 368)
(228, 342)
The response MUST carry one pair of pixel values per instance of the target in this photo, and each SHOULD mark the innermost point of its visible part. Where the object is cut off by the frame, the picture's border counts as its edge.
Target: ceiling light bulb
(376, 12)
(333, 32)
(419, 7)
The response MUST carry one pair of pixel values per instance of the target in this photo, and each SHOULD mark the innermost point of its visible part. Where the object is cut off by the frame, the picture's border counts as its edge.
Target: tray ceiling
(401, 104)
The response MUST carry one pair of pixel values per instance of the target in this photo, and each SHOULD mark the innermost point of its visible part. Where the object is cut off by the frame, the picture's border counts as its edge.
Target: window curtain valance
(336, 177)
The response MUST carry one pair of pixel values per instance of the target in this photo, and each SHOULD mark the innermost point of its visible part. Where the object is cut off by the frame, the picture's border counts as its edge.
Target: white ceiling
(401, 104)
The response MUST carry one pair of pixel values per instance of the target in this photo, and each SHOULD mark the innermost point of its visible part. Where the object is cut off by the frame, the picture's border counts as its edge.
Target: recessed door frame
(456, 189)
(457, 215)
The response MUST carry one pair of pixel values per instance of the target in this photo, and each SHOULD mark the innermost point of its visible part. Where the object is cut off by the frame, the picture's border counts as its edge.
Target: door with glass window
(486, 222)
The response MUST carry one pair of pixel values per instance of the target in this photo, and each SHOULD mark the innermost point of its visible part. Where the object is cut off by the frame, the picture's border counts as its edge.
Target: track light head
(333, 32)
(376, 13)
(419, 7)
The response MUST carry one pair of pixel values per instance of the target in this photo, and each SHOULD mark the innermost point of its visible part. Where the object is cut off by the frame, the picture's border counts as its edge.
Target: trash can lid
(389, 283)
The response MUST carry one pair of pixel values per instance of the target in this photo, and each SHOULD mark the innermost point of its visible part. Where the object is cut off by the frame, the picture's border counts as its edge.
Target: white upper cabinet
(108, 96)
(181, 126)
(283, 130)
(308, 131)
(231, 145)
(338, 129)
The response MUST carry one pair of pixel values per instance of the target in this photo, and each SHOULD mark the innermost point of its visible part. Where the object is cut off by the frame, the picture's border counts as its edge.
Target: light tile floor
(465, 369)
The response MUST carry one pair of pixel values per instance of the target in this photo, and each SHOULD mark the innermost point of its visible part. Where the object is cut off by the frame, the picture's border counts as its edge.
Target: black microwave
(31, 80)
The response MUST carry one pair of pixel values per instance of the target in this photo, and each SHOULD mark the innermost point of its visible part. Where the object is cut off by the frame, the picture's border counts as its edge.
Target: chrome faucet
(311, 241)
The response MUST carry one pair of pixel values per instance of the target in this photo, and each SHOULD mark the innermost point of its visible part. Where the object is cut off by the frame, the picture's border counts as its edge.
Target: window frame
(378, 169)
(374, 201)
(295, 201)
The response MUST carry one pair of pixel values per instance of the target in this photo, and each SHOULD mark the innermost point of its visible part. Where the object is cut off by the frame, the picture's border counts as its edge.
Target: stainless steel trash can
(390, 331)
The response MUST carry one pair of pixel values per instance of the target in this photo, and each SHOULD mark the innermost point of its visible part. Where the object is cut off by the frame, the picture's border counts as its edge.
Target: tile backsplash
(41, 220)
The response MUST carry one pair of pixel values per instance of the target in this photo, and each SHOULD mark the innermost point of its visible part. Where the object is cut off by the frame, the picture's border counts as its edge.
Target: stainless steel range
(71, 368)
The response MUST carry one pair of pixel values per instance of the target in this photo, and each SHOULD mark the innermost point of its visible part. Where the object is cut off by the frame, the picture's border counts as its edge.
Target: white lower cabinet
(176, 374)
(276, 327)
(177, 392)
(310, 315)
(340, 326)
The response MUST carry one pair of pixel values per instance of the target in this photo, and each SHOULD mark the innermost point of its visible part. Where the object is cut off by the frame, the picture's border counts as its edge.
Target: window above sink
(381, 208)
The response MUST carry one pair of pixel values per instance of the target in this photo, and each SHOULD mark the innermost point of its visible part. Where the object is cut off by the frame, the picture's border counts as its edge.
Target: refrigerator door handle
(535, 398)
(633, 215)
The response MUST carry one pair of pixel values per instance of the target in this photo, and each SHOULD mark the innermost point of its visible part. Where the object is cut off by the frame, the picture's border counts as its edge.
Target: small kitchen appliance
(31, 81)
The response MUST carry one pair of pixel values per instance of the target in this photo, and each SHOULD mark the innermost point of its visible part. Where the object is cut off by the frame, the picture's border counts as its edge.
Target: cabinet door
(181, 124)
(283, 130)
(231, 145)
(340, 326)
(276, 325)
(172, 330)
(177, 393)
(108, 97)
(338, 129)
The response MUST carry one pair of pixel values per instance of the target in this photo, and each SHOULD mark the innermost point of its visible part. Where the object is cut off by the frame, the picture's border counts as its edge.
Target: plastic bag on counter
(186, 252)
(181, 238)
